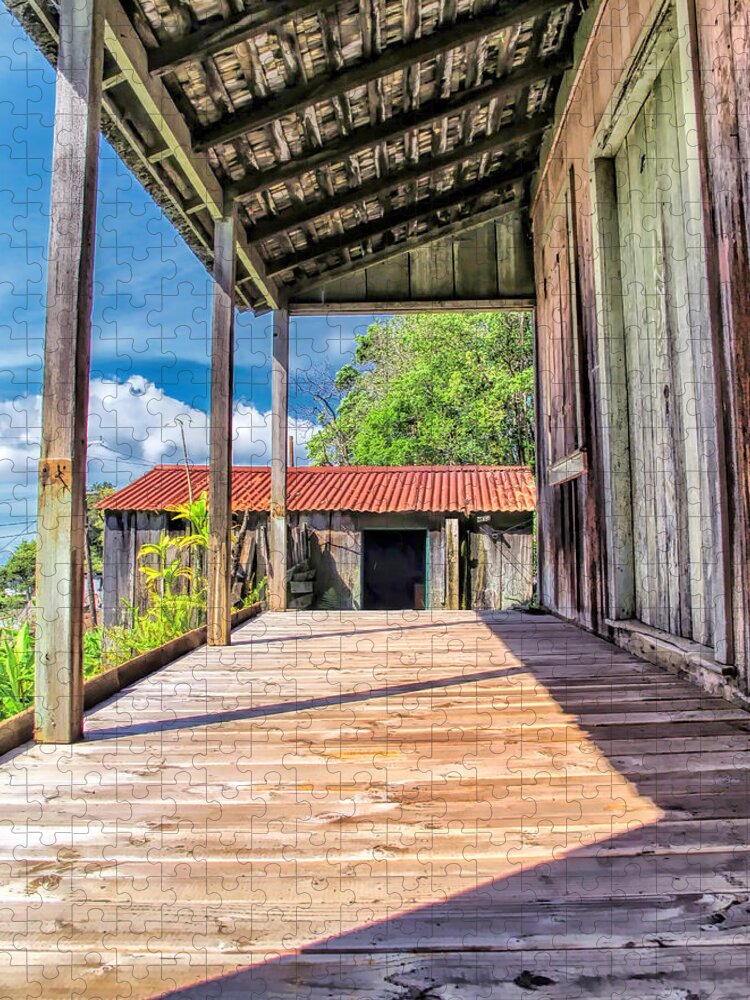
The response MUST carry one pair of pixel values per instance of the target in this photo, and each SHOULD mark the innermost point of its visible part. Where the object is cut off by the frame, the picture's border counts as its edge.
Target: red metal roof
(387, 489)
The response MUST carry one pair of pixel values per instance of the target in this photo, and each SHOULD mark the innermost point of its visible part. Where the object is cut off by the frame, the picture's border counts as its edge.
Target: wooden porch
(404, 805)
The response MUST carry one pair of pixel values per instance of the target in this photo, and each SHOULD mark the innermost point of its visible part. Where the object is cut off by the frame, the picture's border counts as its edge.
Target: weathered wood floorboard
(392, 806)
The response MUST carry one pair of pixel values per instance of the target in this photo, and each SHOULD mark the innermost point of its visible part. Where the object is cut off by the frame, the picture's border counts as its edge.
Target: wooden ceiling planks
(495, 186)
(333, 123)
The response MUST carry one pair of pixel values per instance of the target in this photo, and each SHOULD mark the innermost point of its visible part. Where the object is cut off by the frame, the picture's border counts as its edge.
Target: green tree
(17, 575)
(452, 388)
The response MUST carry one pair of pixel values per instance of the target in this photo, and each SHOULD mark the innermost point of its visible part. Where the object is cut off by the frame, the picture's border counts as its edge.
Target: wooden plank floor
(385, 807)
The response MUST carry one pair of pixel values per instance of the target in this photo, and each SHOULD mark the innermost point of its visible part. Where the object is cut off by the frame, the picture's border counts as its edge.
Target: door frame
(667, 26)
(425, 531)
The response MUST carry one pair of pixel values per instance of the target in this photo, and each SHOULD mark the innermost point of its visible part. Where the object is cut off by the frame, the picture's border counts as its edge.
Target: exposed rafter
(393, 59)
(411, 213)
(126, 48)
(215, 38)
(503, 139)
(417, 242)
(392, 129)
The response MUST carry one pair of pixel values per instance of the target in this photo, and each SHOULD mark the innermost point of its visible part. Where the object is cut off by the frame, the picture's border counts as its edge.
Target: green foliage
(92, 652)
(95, 522)
(17, 665)
(255, 593)
(164, 619)
(167, 616)
(446, 388)
(169, 568)
(16, 670)
(17, 576)
(195, 512)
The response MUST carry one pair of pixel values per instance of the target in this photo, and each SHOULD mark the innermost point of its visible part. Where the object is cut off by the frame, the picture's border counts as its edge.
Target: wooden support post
(279, 420)
(58, 703)
(452, 563)
(219, 616)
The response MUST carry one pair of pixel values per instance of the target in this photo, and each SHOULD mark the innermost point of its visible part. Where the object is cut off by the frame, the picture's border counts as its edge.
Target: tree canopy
(17, 575)
(433, 389)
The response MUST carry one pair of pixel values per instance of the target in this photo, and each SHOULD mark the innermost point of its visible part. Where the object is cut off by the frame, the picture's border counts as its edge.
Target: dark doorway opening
(394, 571)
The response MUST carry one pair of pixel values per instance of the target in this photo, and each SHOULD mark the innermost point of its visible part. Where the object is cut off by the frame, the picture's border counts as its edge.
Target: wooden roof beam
(296, 99)
(451, 229)
(391, 130)
(125, 46)
(503, 139)
(214, 38)
(410, 213)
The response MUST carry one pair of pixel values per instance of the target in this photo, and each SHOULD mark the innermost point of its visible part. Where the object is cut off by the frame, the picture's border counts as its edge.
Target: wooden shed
(389, 538)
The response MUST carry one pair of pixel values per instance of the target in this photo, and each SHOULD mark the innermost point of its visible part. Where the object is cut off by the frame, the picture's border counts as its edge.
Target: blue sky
(152, 303)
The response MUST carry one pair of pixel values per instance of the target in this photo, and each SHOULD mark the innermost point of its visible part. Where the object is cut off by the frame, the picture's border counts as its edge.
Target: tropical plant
(195, 512)
(169, 568)
(16, 669)
(255, 593)
(92, 652)
(164, 619)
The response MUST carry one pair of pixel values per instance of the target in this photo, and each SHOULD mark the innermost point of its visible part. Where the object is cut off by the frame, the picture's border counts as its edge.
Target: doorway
(655, 346)
(394, 570)
(669, 387)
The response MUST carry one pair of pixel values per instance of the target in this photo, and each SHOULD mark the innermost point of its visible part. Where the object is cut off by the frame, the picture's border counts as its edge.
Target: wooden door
(668, 358)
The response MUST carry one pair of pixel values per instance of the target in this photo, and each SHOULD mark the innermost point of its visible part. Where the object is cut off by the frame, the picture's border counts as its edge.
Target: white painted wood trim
(571, 467)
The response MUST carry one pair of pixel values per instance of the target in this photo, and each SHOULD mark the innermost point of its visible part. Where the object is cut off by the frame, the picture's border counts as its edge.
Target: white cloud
(133, 425)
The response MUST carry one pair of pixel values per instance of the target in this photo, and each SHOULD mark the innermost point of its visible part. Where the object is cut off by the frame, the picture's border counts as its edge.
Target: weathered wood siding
(500, 563)
(671, 403)
(335, 549)
(721, 43)
(491, 262)
(122, 583)
(499, 556)
(657, 399)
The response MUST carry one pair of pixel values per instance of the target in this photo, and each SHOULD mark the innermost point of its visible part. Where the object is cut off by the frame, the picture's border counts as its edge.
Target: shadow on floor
(294, 707)
(436, 622)
(653, 906)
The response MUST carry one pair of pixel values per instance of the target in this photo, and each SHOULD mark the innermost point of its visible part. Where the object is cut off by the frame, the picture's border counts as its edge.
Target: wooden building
(641, 258)
(588, 160)
(434, 538)
(422, 804)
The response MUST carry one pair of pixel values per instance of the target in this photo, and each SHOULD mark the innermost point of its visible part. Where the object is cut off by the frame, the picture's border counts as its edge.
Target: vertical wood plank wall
(721, 42)
(669, 382)
(492, 261)
(711, 348)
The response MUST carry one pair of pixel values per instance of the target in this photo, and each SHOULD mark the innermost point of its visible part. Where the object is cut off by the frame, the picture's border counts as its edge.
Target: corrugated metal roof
(382, 490)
